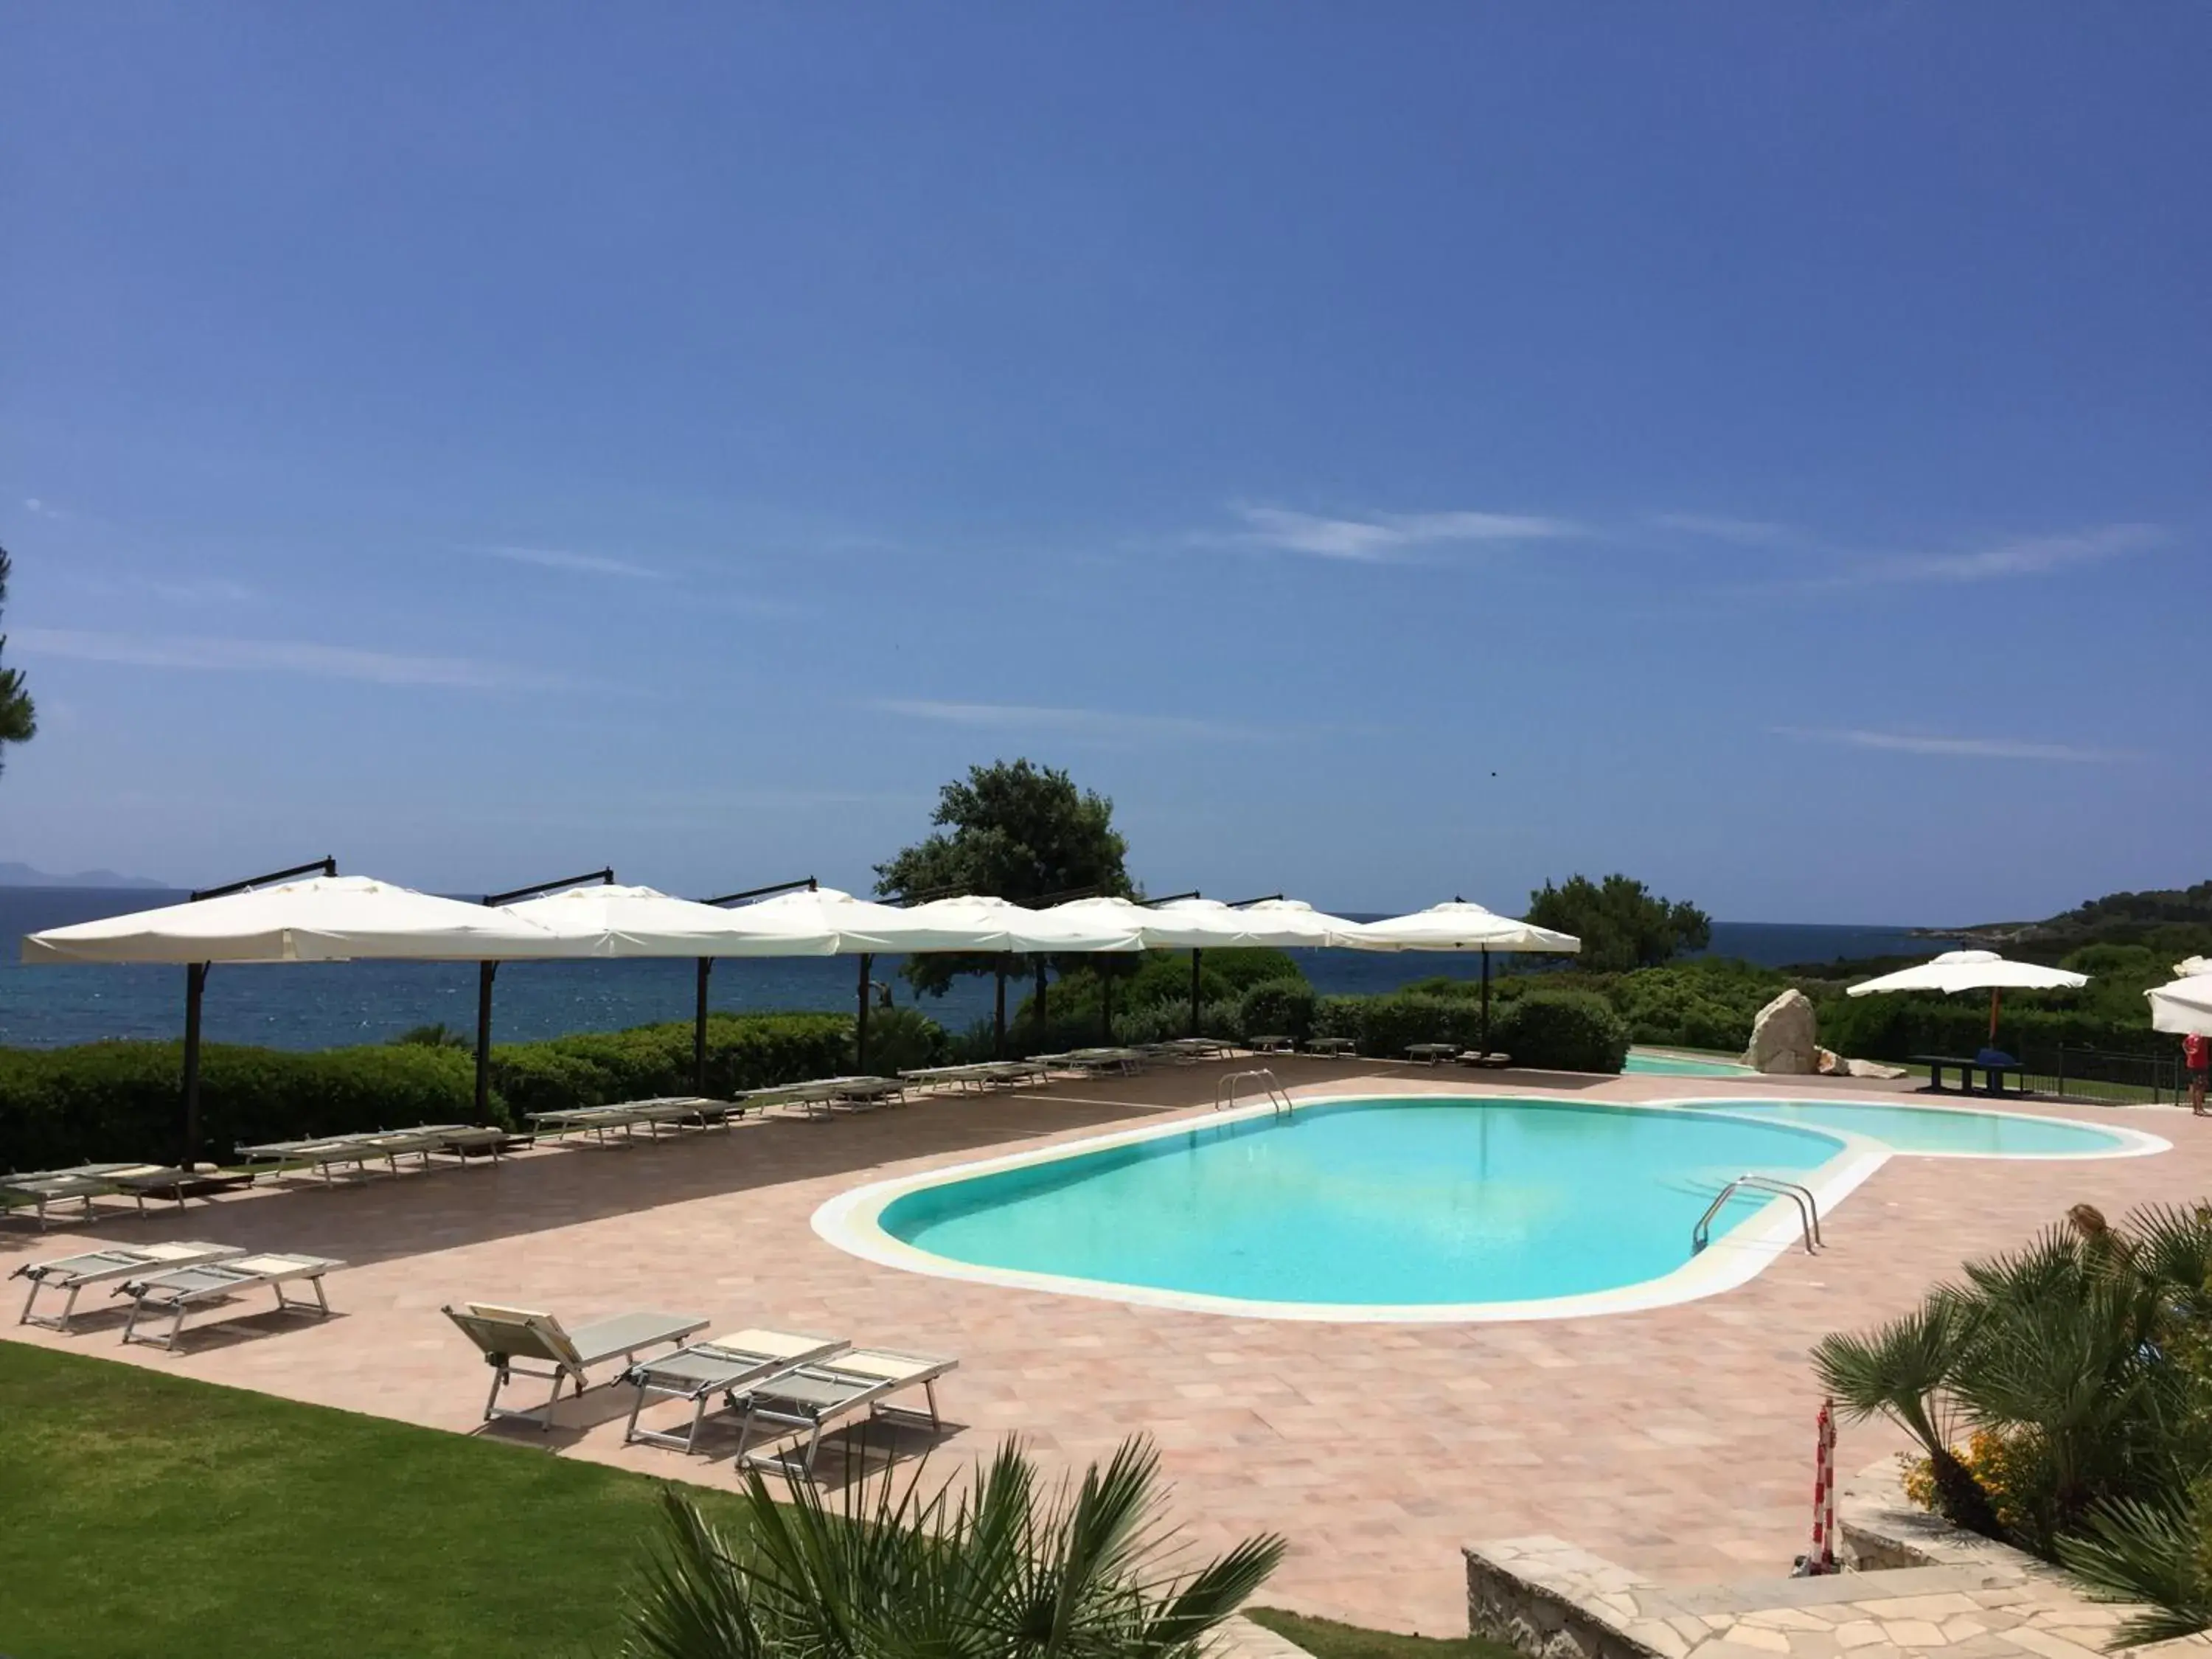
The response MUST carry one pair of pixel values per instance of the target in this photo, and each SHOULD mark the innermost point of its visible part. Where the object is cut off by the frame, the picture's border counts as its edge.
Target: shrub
(1277, 1006)
(123, 1100)
(1898, 1027)
(1164, 1021)
(1562, 1031)
(903, 1038)
(1382, 1026)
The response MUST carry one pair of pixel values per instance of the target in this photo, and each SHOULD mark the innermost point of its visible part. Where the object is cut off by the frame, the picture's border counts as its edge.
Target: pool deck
(1676, 1441)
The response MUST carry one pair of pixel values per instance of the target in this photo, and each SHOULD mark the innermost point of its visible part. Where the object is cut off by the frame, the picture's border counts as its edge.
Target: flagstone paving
(1676, 1442)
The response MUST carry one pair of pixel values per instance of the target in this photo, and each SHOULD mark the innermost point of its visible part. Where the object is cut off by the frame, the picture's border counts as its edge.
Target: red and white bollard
(1822, 1558)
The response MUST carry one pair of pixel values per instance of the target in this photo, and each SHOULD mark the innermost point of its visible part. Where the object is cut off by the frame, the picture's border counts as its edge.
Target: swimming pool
(1428, 1207)
(1652, 1062)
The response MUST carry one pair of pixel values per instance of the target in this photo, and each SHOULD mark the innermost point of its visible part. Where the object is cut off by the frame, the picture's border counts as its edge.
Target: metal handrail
(1808, 1209)
(1224, 1091)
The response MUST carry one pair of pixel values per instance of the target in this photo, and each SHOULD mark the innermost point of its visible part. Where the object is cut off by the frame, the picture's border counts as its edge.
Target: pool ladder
(1225, 1092)
(1808, 1209)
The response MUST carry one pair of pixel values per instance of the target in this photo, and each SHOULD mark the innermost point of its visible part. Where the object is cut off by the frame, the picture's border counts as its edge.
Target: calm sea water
(326, 1006)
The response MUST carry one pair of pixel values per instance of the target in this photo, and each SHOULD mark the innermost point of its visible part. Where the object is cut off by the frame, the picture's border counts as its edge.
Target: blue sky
(1393, 454)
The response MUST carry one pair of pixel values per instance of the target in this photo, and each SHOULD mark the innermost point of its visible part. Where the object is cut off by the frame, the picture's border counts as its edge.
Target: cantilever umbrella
(1203, 924)
(325, 917)
(2184, 1005)
(605, 919)
(864, 927)
(999, 927)
(1972, 971)
(1458, 925)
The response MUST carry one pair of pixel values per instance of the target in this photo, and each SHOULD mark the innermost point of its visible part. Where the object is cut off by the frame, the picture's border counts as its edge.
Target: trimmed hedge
(105, 1101)
(1562, 1031)
(1279, 1007)
(1895, 1028)
(1556, 1030)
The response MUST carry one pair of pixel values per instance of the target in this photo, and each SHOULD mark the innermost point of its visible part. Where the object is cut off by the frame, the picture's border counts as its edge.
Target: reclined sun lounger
(507, 1335)
(179, 1291)
(728, 1364)
(812, 1396)
(51, 1187)
(73, 1273)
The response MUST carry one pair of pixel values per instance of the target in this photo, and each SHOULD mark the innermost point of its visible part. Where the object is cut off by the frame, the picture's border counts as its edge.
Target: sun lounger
(1489, 1059)
(505, 1336)
(1431, 1054)
(1095, 1062)
(178, 1291)
(1271, 1045)
(45, 1188)
(73, 1273)
(728, 1364)
(812, 1396)
(1332, 1047)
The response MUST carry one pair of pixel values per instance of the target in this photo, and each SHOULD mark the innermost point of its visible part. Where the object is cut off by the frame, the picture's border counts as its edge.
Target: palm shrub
(2082, 1364)
(1000, 1568)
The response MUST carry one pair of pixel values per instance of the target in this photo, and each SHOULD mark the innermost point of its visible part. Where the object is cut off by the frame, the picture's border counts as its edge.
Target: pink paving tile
(1674, 1441)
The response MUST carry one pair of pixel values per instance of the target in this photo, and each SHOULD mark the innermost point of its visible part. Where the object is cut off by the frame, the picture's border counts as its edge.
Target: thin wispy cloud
(1381, 537)
(1076, 722)
(200, 654)
(1915, 743)
(1739, 533)
(2021, 555)
(582, 564)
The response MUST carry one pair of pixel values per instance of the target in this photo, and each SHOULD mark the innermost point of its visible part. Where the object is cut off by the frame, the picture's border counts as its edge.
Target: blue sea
(328, 1006)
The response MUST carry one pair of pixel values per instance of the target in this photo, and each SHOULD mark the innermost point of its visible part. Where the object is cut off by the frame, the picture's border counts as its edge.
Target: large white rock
(1782, 1037)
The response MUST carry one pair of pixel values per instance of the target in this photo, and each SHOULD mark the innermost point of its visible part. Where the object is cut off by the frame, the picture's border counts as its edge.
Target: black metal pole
(699, 1030)
(998, 1014)
(195, 985)
(1485, 998)
(1195, 956)
(860, 1025)
(484, 972)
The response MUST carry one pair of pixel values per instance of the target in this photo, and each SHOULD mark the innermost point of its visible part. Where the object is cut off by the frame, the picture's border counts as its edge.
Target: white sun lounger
(179, 1291)
(507, 1335)
(812, 1396)
(73, 1273)
(728, 1364)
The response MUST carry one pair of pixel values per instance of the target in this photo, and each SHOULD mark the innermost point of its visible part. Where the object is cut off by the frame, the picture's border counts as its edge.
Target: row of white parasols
(348, 918)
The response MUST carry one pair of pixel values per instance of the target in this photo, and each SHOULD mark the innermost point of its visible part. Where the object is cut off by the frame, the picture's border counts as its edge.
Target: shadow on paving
(385, 1217)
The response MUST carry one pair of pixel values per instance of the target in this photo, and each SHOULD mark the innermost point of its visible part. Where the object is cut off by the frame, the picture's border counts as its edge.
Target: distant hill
(2165, 917)
(22, 875)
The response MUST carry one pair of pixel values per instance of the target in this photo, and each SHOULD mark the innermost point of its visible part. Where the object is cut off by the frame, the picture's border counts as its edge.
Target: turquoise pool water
(1936, 1129)
(1643, 1063)
(1380, 1202)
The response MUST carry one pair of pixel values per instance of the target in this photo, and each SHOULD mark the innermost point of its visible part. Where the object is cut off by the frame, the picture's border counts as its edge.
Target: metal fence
(2102, 1074)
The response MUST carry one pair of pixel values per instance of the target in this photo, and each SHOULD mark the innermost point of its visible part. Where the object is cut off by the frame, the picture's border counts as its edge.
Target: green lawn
(147, 1515)
(1327, 1639)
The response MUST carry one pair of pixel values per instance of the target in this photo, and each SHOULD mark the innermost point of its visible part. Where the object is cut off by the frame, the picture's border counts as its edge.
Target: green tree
(19, 718)
(1622, 923)
(1002, 1570)
(1013, 829)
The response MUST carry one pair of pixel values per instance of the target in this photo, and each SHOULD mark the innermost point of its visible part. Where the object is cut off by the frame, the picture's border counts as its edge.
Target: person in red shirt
(2197, 1055)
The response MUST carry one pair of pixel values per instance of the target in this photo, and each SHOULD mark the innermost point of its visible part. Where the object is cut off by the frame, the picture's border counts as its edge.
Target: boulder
(1828, 1063)
(1782, 1037)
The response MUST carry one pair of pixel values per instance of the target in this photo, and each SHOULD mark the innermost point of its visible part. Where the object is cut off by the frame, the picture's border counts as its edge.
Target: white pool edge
(852, 1220)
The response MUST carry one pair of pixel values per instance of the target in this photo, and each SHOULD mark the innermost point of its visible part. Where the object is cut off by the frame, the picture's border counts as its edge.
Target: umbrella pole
(1106, 1007)
(484, 972)
(1485, 1000)
(195, 985)
(998, 1014)
(1195, 956)
(1994, 994)
(860, 1022)
(699, 1030)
